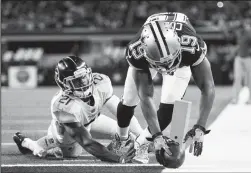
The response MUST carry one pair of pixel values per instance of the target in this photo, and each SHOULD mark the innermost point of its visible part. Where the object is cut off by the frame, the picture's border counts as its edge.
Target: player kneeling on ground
(75, 110)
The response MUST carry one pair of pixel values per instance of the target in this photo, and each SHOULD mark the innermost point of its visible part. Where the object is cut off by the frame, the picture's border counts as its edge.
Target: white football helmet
(161, 46)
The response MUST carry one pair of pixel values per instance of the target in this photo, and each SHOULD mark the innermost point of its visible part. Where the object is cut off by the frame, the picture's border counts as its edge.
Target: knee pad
(124, 114)
(165, 113)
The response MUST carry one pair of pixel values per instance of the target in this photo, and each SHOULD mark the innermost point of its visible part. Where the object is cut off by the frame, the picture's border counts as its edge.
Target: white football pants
(173, 87)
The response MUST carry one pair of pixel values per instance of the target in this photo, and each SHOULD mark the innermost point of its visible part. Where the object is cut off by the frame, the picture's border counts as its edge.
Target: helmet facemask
(166, 65)
(81, 84)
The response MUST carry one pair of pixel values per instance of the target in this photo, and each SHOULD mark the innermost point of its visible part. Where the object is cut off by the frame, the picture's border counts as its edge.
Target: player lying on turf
(166, 44)
(75, 110)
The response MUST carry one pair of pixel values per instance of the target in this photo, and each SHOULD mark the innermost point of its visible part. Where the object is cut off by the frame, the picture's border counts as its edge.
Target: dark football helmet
(74, 77)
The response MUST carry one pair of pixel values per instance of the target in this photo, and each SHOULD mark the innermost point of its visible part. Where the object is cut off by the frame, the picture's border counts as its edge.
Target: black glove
(195, 137)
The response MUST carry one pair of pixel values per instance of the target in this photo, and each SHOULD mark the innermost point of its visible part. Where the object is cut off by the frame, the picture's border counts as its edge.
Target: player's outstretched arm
(203, 78)
(145, 89)
(83, 137)
(144, 84)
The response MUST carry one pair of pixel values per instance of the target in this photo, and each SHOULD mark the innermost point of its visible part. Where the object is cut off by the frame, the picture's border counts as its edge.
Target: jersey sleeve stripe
(199, 60)
(163, 38)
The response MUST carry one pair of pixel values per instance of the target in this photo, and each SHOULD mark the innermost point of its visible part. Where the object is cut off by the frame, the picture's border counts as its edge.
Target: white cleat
(142, 155)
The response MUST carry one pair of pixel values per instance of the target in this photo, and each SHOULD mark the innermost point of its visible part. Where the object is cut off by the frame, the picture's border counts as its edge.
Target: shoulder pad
(65, 108)
(99, 79)
(102, 83)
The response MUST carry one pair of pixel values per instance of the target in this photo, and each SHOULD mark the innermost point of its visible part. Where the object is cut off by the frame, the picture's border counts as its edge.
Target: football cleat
(151, 148)
(18, 139)
(118, 146)
(141, 155)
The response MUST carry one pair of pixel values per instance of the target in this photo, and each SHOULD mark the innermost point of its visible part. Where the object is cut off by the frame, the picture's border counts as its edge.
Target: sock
(123, 132)
(34, 147)
(135, 127)
(29, 143)
(165, 113)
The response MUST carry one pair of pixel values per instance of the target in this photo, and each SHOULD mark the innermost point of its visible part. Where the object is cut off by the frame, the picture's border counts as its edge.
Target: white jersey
(67, 109)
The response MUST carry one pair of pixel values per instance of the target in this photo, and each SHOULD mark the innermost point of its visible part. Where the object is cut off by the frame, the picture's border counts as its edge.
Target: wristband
(196, 126)
(157, 134)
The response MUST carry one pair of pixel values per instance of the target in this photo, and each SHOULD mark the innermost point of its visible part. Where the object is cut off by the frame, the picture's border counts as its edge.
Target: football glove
(195, 138)
(160, 144)
(129, 155)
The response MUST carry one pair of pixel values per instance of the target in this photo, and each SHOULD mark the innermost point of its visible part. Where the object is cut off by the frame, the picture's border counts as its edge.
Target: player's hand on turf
(195, 138)
(160, 146)
(129, 155)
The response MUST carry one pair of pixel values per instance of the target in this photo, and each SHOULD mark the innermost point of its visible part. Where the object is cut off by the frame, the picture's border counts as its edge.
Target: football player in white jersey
(166, 44)
(75, 109)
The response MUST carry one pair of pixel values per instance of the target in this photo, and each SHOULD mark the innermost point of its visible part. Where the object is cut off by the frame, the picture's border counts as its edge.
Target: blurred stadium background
(36, 34)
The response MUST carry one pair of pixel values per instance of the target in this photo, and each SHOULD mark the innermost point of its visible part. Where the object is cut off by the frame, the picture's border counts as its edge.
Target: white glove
(195, 138)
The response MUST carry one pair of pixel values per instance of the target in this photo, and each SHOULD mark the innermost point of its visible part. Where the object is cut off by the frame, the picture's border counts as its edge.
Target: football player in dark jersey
(166, 43)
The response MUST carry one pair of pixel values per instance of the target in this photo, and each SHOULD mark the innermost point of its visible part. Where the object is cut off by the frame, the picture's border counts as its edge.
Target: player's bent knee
(56, 130)
(165, 113)
(130, 99)
(124, 114)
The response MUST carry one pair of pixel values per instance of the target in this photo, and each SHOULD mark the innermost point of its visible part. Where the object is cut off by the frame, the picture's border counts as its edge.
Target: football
(177, 158)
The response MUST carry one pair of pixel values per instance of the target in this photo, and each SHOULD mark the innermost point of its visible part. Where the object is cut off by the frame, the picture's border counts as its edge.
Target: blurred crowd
(45, 15)
(32, 15)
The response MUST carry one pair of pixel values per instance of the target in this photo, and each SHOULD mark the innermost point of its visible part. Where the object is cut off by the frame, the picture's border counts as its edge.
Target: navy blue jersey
(193, 46)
